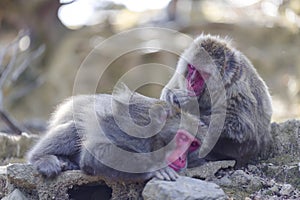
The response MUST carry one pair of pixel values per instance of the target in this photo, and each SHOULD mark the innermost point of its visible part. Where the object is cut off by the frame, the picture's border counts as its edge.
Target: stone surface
(286, 190)
(240, 179)
(182, 188)
(68, 185)
(284, 156)
(284, 173)
(286, 141)
(2, 181)
(208, 169)
(15, 195)
(252, 182)
(277, 177)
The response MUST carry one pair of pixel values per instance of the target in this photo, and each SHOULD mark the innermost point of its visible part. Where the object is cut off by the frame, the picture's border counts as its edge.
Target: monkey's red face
(195, 80)
(184, 143)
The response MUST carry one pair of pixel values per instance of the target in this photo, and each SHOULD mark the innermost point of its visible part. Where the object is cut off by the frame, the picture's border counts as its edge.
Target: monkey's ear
(122, 93)
(120, 98)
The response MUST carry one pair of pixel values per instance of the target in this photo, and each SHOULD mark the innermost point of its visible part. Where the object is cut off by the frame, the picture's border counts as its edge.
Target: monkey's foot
(49, 166)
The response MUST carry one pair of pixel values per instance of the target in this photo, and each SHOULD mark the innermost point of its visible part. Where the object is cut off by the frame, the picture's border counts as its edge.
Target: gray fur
(246, 132)
(83, 131)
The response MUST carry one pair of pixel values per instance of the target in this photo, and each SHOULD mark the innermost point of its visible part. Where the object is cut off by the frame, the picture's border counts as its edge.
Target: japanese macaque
(230, 97)
(125, 136)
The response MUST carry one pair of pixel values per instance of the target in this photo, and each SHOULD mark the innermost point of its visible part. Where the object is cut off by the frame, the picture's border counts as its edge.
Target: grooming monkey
(246, 102)
(95, 133)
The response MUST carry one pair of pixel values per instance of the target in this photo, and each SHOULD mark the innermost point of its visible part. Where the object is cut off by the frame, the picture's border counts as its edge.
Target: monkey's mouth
(195, 89)
(196, 81)
(175, 167)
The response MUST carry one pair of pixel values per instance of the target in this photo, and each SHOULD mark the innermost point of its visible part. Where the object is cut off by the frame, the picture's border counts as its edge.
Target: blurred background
(44, 42)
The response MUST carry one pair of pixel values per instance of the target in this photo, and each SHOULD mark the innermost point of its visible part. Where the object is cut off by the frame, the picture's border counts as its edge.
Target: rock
(224, 181)
(208, 169)
(68, 185)
(35, 186)
(285, 173)
(286, 143)
(2, 181)
(270, 183)
(15, 145)
(254, 169)
(22, 175)
(239, 177)
(286, 190)
(255, 184)
(249, 182)
(274, 189)
(238, 184)
(15, 195)
(265, 180)
(182, 188)
(283, 159)
(277, 192)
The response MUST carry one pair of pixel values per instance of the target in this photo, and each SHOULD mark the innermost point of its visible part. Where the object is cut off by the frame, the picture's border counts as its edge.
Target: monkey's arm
(181, 99)
(175, 88)
(56, 151)
(110, 152)
(175, 96)
(106, 160)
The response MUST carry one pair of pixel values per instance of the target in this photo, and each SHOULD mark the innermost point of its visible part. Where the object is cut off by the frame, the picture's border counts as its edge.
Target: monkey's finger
(165, 175)
(158, 175)
(172, 174)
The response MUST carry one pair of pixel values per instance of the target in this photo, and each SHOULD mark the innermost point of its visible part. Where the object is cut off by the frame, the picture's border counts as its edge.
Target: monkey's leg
(58, 150)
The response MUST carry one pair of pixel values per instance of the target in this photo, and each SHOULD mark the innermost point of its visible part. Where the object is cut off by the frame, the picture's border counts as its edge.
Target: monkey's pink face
(195, 80)
(185, 143)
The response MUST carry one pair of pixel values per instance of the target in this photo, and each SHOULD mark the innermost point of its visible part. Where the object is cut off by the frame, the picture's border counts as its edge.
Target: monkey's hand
(178, 97)
(167, 174)
(49, 166)
(67, 164)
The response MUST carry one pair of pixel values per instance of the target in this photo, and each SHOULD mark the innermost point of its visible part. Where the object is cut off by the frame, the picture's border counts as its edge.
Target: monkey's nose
(181, 160)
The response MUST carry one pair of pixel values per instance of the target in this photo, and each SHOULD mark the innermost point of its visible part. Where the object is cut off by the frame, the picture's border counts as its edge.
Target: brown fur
(246, 132)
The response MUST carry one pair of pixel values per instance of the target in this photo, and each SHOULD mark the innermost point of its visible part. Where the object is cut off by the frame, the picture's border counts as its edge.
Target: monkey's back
(247, 125)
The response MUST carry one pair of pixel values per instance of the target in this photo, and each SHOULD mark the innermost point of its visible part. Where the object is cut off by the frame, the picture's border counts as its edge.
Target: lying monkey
(114, 136)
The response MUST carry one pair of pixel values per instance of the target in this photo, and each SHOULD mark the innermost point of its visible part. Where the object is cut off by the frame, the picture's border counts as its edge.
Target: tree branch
(10, 122)
(5, 72)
